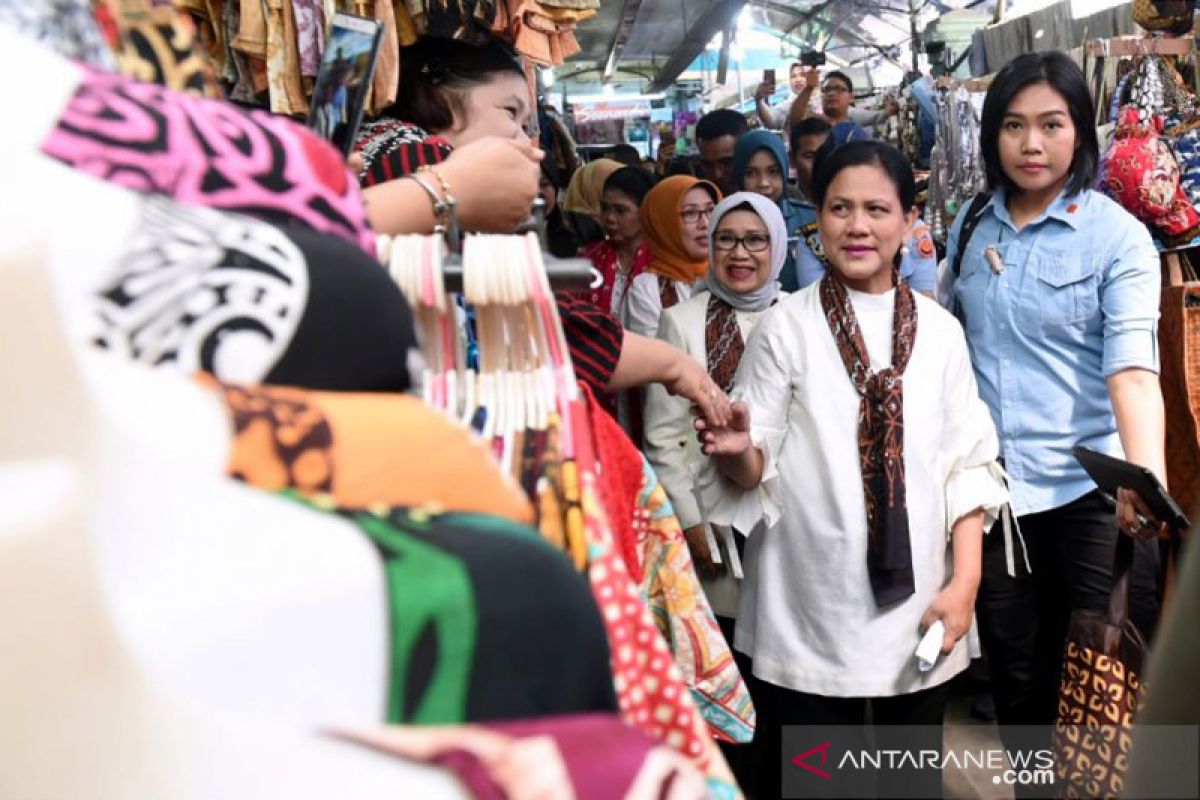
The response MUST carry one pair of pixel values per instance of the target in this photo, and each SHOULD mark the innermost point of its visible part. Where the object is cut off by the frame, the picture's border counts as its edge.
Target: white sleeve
(668, 423)
(970, 447)
(644, 304)
(764, 382)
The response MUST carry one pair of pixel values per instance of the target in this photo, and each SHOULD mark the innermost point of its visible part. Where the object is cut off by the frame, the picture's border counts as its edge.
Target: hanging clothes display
(956, 165)
(546, 439)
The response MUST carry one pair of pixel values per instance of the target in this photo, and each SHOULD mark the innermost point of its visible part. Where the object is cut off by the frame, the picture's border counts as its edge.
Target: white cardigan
(671, 443)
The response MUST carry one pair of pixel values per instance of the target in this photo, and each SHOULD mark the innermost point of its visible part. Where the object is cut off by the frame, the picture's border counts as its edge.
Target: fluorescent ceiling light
(614, 98)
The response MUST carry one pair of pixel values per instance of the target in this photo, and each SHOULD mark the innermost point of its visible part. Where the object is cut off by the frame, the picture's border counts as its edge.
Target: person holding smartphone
(803, 82)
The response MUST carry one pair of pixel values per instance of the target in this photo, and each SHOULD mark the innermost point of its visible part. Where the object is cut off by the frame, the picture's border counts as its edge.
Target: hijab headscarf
(762, 297)
(587, 186)
(749, 144)
(662, 228)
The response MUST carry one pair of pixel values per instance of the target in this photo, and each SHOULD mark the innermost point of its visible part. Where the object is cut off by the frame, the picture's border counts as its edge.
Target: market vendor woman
(1059, 294)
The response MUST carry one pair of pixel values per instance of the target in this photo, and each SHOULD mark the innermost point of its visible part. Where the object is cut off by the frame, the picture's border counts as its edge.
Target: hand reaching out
(731, 439)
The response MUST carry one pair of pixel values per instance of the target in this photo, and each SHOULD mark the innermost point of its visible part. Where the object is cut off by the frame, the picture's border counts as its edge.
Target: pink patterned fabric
(208, 153)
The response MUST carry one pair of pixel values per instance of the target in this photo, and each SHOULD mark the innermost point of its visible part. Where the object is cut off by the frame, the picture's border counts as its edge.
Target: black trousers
(1023, 620)
(778, 707)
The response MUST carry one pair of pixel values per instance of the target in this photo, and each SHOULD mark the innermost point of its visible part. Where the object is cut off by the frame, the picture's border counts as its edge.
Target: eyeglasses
(617, 208)
(834, 88)
(693, 215)
(753, 242)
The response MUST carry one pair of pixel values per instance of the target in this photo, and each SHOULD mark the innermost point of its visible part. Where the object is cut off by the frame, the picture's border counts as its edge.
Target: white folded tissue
(931, 646)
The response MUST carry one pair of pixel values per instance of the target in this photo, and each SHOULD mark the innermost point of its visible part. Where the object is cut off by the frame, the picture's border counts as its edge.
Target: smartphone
(768, 76)
(812, 58)
(347, 68)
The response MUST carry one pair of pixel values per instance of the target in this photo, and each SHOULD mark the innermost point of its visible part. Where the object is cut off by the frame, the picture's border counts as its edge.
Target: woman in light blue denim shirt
(1059, 294)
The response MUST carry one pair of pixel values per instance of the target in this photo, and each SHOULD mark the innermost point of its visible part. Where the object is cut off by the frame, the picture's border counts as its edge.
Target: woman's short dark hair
(435, 73)
(1061, 74)
(634, 182)
(860, 154)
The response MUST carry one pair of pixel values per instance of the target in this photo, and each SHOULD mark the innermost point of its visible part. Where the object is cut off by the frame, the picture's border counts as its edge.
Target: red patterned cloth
(651, 543)
(1141, 174)
(652, 695)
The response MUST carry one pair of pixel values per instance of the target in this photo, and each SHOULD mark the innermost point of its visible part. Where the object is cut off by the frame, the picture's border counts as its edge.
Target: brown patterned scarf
(723, 343)
(668, 295)
(880, 434)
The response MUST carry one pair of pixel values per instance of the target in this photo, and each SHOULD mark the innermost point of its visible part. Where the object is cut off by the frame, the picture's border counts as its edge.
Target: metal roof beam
(718, 17)
(625, 23)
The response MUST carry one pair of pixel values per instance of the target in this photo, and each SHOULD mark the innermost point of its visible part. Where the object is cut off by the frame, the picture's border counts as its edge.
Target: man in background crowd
(717, 133)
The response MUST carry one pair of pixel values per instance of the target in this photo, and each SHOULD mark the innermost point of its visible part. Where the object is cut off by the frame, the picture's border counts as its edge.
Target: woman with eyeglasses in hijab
(675, 216)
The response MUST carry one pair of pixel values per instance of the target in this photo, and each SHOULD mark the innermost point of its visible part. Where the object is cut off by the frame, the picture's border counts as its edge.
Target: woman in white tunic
(860, 442)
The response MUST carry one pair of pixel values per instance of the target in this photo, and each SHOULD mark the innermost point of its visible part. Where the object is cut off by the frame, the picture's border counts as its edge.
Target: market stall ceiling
(663, 36)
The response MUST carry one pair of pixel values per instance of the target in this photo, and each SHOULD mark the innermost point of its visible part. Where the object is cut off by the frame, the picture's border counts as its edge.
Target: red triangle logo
(802, 760)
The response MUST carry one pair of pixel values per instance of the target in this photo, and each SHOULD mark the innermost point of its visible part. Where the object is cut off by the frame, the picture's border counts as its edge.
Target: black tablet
(1111, 474)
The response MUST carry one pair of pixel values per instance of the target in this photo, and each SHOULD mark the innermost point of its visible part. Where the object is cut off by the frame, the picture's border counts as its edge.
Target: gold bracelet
(439, 205)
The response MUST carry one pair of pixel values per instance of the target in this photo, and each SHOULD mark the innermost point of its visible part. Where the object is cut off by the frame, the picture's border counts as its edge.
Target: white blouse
(644, 304)
(671, 444)
(806, 614)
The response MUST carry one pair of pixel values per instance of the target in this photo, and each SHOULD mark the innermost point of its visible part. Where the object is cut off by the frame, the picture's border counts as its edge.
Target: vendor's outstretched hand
(689, 379)
(494, 181)
(732, 439)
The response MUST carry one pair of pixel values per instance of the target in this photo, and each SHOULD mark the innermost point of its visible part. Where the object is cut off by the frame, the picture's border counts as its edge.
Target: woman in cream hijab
(581, 203)
(675, 216)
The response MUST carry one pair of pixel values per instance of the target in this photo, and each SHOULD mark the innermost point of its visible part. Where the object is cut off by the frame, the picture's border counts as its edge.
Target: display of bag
(1141, 173)
(1100, 691)
(1169, 16)
(1179, 348)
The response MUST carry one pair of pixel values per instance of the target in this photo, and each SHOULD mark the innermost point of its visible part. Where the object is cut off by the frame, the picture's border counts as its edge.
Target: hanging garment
(160, 44)
(65, 26)
(310, 35)
(585, 756)
(201, 290)
(651, 692)
(238, 74)
(194, 289)
(652, 544)
(473, 635)
(208, 153)
(359, 451)
(387, 64)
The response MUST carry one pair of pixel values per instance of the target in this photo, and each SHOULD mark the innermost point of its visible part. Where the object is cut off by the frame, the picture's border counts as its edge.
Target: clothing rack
(1127, 46)
(570, 274)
